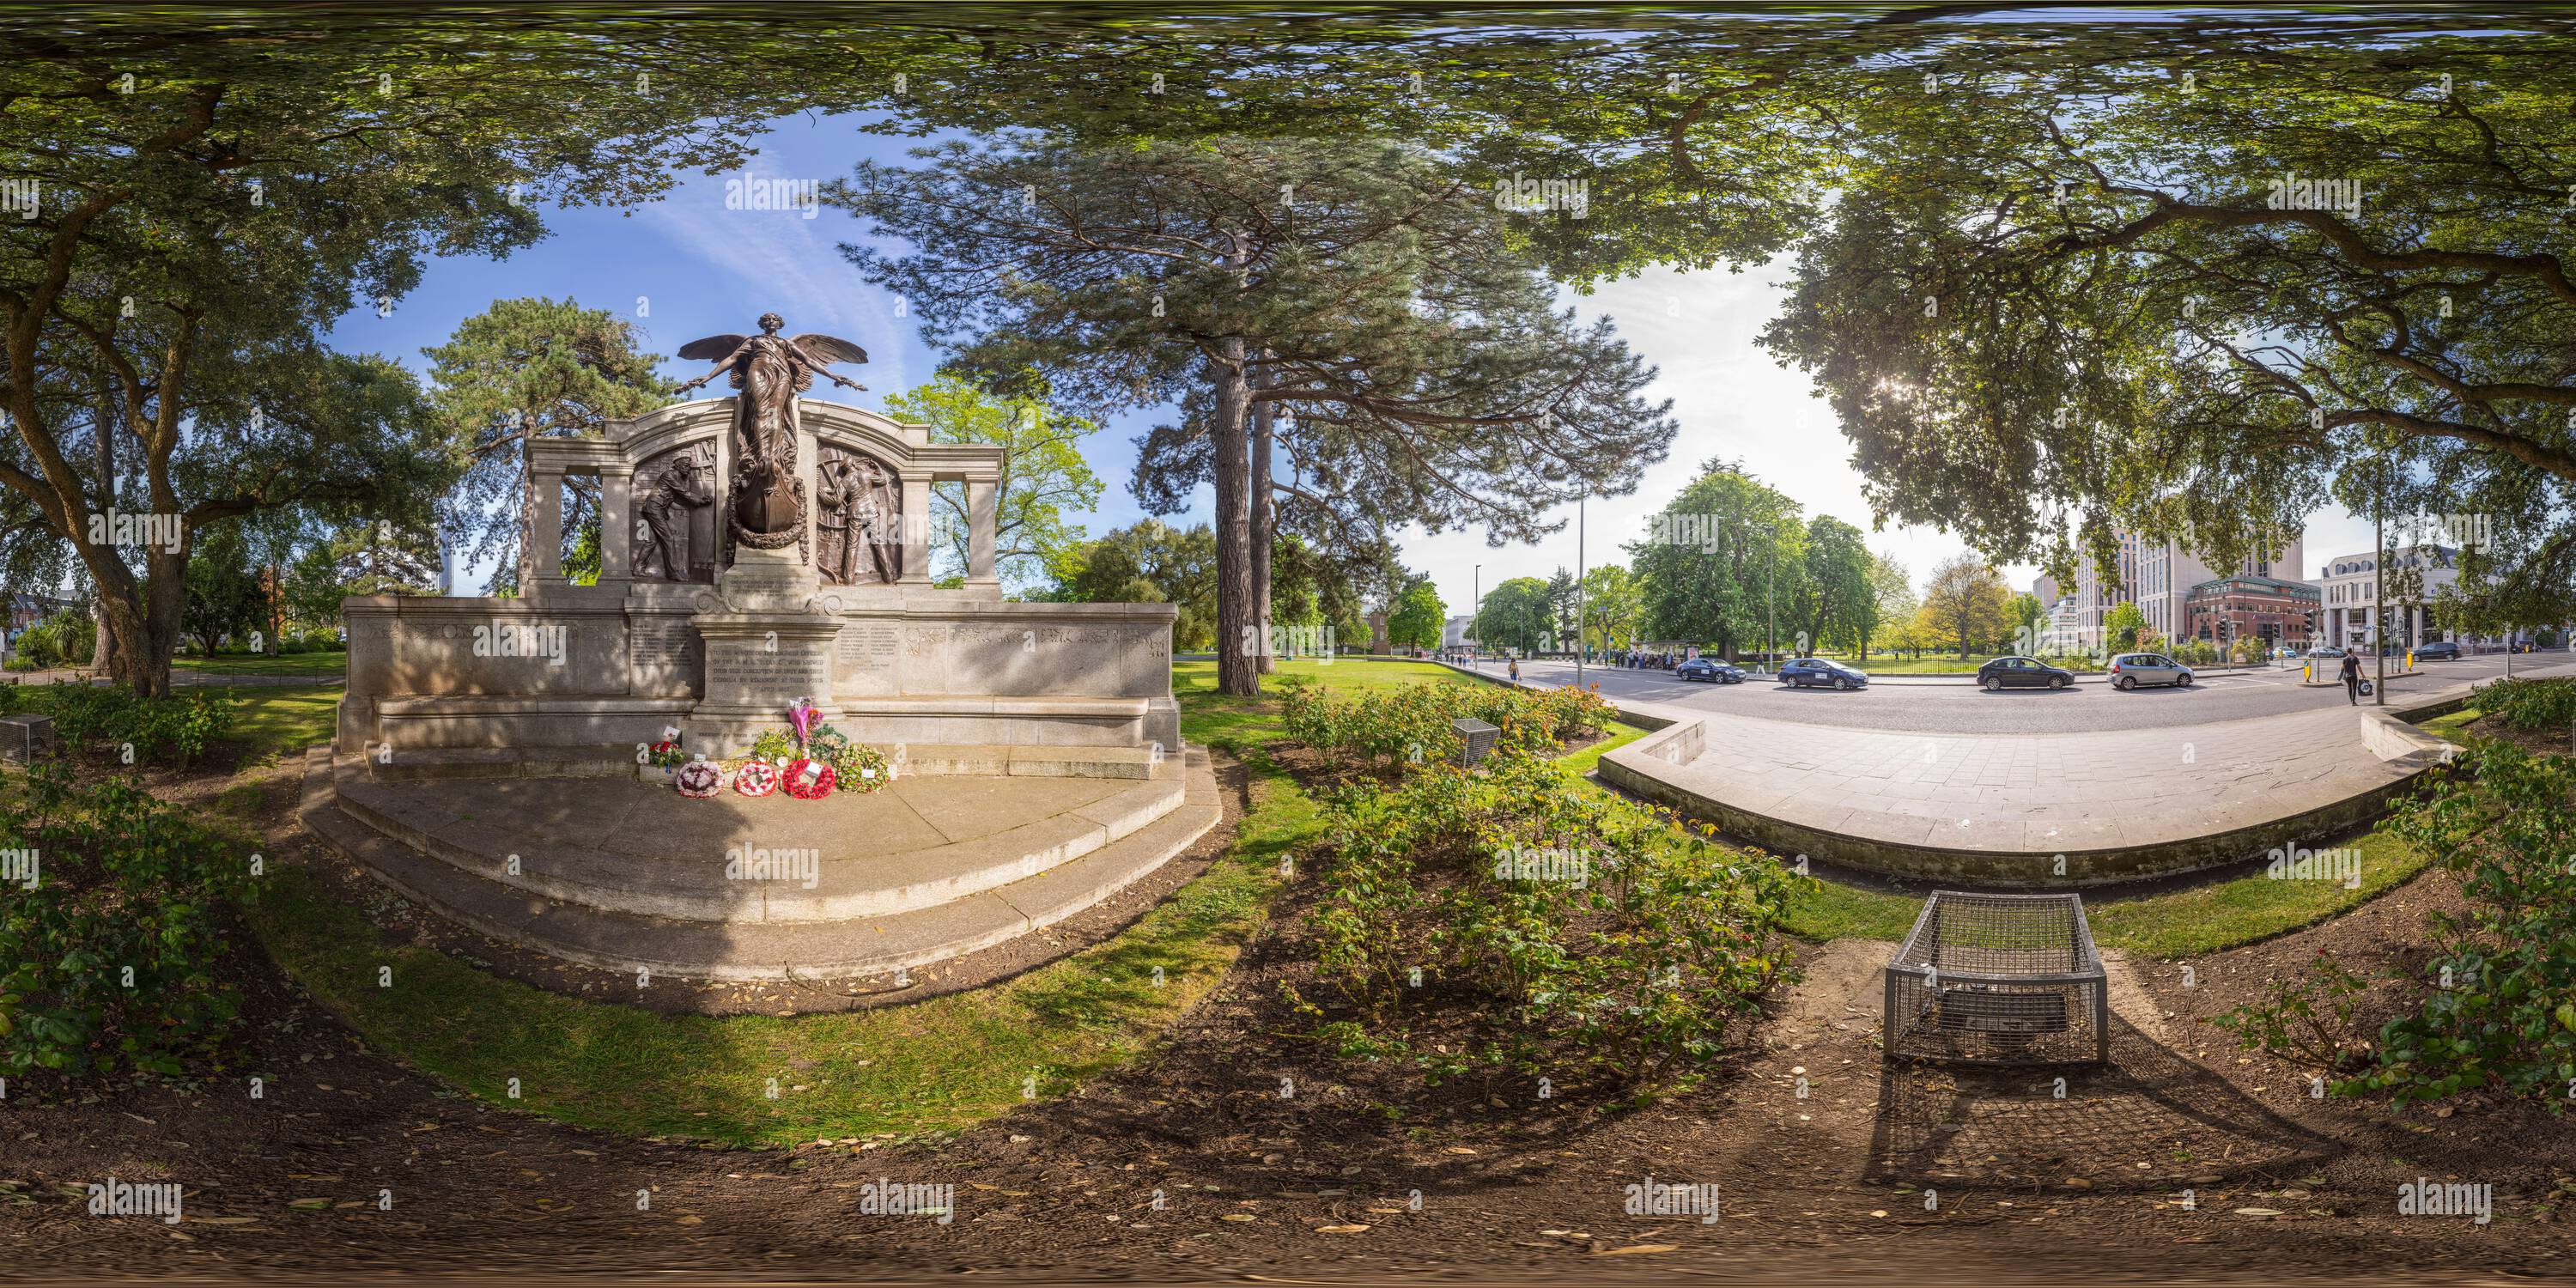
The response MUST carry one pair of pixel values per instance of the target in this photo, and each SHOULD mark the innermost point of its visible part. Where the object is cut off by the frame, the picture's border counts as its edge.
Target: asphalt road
(1960, 707)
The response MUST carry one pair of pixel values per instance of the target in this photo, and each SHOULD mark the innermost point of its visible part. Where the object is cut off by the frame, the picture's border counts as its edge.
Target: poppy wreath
(698, 779)
(803, 790)
(756, 778)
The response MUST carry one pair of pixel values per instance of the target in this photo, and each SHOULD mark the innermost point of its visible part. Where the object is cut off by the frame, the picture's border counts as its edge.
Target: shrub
(111, 959)
(2533, 706)
(114, 718)
(1583, 927)
(1410, 724)
(2500, 1013)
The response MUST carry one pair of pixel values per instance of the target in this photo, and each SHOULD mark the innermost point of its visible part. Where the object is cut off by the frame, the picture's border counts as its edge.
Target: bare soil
(1197, 1164)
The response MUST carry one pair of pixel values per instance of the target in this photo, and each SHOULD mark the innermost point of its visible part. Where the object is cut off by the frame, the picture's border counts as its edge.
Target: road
(2084, 708)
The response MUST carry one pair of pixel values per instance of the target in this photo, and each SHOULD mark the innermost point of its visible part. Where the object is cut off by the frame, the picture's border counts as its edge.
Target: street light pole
(2379, 581)
(1578, 590)
(1475, 608)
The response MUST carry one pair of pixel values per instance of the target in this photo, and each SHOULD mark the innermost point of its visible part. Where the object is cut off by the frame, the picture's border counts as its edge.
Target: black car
(1709, 669)
(1808, 672)
(2437, 651)
(2022, 673)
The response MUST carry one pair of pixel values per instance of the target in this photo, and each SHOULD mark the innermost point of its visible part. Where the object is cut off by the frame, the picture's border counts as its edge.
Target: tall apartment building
(2158, 577)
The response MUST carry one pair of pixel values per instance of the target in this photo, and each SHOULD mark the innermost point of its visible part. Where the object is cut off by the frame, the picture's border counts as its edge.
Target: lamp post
(2379, 581)
(1578, 590)
(1476, 606)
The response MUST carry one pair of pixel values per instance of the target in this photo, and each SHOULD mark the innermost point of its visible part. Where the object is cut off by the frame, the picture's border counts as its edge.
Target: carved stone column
(916, 528)
(981, 493)
(616, 523)
(546, 560)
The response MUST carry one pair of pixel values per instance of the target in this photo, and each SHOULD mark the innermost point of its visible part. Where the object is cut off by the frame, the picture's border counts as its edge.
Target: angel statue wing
(825, 348)
(711, 348)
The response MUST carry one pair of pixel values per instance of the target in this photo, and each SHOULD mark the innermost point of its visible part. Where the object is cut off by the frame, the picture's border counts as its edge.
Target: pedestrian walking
(1516, 670)
(2352, 677)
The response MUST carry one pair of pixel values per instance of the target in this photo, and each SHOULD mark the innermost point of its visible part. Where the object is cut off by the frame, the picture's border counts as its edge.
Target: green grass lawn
(279, 720)
(2454, 727)
(331, 663)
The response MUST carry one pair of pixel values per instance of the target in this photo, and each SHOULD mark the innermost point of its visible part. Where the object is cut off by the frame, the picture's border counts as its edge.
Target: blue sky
(685, 267)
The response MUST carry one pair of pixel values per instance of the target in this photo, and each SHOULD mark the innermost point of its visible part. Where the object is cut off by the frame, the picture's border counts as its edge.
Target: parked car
(1709, 669)
(1808, 672)
(2022, 673)
(2129, 670)
(2437, 651)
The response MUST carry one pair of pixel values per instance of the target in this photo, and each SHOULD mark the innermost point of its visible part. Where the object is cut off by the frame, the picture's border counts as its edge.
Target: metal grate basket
(1999, 979)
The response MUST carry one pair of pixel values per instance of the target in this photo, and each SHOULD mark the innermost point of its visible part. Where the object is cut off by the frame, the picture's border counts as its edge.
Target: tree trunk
(1264, 512)
(102, 655)
(1238, 670)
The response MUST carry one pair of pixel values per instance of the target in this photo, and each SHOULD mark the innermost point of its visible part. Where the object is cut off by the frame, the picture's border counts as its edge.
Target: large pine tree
(1416, 365)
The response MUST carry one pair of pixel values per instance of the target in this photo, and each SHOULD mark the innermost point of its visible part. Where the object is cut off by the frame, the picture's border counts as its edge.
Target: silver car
(2129, 670)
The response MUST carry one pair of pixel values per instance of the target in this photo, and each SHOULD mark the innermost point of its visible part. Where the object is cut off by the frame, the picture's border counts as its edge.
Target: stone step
(612, 760)
(746, 952)
(684, 878)
(448, 764)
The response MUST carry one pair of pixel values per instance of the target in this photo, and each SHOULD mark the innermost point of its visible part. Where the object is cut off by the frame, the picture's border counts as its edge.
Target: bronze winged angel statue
(768, 500)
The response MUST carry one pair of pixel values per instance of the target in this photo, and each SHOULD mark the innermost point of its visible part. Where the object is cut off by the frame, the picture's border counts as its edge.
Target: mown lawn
(276, 721)
(335, 662)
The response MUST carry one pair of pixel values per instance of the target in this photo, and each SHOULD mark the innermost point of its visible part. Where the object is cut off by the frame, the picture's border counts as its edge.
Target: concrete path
(2032, 808)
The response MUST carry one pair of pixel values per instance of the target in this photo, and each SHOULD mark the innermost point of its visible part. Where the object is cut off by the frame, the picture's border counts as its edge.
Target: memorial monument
(758, 552)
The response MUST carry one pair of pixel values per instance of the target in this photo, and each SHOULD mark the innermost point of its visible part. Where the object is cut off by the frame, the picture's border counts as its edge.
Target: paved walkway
(2002, 807)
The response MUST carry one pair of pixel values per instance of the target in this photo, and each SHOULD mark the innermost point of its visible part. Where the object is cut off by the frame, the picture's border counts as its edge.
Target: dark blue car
(1709, 669)
(1814, 672)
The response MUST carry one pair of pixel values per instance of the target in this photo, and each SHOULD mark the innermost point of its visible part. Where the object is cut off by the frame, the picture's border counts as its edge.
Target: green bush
(1581, 929)
(1410, 724)
(2533, 706)
(65, 639)
(2500, 1010)
(111, 960)
(115, 719)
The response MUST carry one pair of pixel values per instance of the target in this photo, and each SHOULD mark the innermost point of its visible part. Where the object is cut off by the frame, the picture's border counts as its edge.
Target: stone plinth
(758, 665)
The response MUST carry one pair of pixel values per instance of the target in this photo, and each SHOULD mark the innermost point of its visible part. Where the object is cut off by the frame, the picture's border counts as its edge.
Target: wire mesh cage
(2008, 979)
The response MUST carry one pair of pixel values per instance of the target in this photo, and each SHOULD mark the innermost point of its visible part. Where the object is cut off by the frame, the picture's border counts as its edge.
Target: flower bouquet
(698, 779)
(756, 778)
(859, 767)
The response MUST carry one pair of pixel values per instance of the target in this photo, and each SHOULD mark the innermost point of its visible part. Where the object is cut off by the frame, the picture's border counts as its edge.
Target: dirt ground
(1192, 1165)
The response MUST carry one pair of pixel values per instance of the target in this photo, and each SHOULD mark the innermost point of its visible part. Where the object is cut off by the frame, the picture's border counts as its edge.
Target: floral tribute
(756, 778)
(698, 779)
(809, 780)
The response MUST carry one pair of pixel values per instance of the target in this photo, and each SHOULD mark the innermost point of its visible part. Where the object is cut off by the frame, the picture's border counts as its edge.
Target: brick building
(2248, 607)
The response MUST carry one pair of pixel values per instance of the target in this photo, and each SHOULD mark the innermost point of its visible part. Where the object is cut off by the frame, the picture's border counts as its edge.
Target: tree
(224, 595)
(1612, 608)
(1514, 615)
(1043, 473)
(2029, 618)
(360, 557)
(212, 201)
(1893, 592)
(1967, 603)
(2124, 626)
(1414, 363)
(1836, 604)
(525, 369)
(2091, 296)
(1562, 597)
(1723, 563)
(1419, 619)
(1148, 563)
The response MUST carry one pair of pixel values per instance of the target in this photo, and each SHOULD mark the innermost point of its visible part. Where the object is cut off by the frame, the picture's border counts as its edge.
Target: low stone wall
(571, 669)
